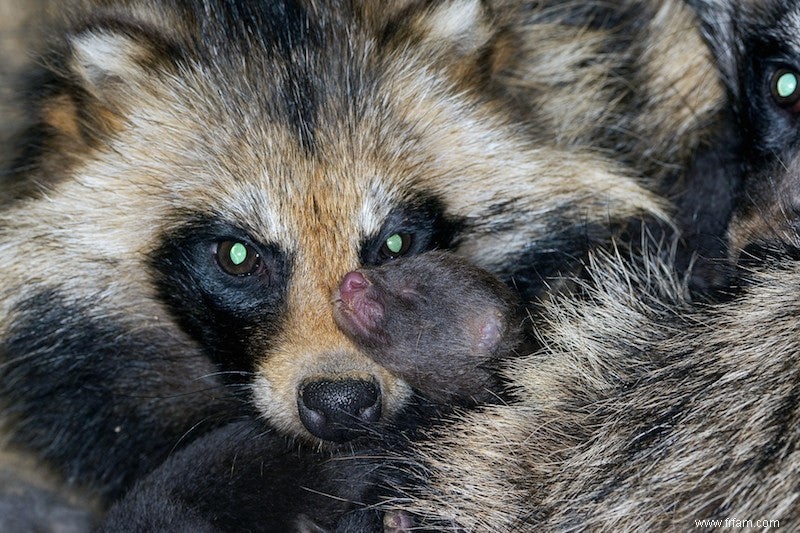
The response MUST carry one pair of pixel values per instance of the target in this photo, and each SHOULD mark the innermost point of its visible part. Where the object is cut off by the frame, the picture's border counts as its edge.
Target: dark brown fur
(436, 321)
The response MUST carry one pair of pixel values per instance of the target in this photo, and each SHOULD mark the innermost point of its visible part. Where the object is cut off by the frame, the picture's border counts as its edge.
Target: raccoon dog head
(217, 168)
(759, 55)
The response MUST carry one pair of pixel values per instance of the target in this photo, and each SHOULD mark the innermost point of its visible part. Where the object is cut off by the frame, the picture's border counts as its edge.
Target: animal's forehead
(253, 169)
(285, 65)
(285, 141)
(295, 205)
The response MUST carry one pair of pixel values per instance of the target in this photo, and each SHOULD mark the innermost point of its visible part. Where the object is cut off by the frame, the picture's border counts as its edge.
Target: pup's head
(212, 171)
(433, 320)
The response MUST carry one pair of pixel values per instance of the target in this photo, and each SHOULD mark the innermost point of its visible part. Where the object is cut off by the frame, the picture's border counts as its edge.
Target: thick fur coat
(201, 175)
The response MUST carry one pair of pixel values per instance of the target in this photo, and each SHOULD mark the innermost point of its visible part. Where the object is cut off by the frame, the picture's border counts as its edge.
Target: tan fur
(642, 412)
(663, 110)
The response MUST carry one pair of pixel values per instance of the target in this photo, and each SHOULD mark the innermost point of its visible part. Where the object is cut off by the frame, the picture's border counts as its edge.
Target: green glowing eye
(785, 87)
(786, 84)
(395, 243)
(238, 259)
(238, 253)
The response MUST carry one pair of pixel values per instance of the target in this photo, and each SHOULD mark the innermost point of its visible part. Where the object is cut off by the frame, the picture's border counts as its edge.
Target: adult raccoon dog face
(203, 175)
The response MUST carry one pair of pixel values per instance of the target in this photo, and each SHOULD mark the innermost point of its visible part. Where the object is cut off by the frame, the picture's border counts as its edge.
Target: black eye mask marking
(224, 288)
(767, 105)
(419, 225)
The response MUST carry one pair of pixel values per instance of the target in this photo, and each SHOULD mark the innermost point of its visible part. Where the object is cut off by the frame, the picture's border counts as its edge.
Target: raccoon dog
(242, 478)
(203, 173)
(645, 410)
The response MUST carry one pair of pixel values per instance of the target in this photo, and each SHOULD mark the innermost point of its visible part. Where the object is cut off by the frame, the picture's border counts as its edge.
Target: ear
(93, 77)
(449, 32)
(461, 26)
(488, 330)
(103, 60)
(717, 20)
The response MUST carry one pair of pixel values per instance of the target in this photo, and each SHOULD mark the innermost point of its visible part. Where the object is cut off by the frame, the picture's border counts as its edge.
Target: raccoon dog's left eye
(785, 87)
(238, 259)
(395, 245)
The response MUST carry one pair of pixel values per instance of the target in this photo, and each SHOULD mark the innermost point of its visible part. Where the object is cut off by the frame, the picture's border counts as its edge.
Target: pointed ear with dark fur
(717, 19)
(452, 33)
(91, 78)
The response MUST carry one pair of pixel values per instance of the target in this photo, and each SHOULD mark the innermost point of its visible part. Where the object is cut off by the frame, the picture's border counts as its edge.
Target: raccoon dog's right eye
(238, 258)
(395, 245)
(785, 88)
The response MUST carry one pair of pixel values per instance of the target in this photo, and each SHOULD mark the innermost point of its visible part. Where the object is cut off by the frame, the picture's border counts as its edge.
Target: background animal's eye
(785, 87)
(396, 245)
(238, 258)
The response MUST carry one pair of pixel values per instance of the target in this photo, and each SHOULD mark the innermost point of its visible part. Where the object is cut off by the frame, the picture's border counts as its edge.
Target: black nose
(338, 410)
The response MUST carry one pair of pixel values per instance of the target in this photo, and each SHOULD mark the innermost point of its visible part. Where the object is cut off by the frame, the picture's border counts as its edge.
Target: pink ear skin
(490, 333)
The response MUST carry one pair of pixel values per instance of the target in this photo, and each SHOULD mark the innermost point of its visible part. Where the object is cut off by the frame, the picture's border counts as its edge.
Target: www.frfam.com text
(734, 523)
